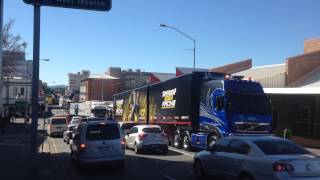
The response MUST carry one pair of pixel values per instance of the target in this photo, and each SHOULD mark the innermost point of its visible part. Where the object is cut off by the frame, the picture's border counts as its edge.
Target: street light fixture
(189, 37)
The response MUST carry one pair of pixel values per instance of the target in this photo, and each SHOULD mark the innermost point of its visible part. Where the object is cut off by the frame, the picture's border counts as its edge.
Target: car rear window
(71, 128)
(272, 147)
(102, 132)
(127, 125)
(151, 130)
(58, 121)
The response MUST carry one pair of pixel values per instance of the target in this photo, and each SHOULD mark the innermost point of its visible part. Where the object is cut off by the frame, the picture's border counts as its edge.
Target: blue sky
(129, 35)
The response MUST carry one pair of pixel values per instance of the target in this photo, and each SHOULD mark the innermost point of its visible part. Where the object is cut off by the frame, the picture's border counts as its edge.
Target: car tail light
(141, 136)
(123, 143)
(282, 167)
(82, 147)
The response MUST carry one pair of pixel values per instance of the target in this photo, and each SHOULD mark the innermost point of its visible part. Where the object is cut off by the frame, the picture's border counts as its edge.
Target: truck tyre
(176, 141)
(186, 142)
(212, 140)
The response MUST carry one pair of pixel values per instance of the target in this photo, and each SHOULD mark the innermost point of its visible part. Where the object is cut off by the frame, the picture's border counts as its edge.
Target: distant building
(74, 80)
(129, 78)
(99, 87)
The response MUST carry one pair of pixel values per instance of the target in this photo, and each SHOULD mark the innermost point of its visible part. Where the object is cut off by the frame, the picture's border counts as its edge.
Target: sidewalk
(14, 155)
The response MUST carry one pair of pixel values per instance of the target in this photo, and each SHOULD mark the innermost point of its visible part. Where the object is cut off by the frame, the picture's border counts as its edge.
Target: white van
(56, 125)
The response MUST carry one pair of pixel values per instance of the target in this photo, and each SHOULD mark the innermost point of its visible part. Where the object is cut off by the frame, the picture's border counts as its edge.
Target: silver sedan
(257, 158)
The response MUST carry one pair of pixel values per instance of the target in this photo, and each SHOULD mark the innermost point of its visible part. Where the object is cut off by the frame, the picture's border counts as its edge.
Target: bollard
(287, 133)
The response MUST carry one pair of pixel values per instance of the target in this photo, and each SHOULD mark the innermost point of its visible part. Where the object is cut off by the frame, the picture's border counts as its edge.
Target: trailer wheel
(176, 141)
(186, 142)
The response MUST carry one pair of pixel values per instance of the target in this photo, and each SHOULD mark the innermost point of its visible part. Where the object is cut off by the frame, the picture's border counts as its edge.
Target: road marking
(190, 154)
(64, 174)
(168, 177)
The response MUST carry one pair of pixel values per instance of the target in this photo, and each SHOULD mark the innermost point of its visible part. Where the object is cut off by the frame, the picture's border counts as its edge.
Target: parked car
(67, 135)
(98, 142)
(257, 158)
(56, 125)
(147, 137)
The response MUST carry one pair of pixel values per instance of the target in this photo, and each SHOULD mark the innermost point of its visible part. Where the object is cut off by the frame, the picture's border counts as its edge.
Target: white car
(147, 137)
(56, 125)
(257, 158)
(67, 135)
(75, 120)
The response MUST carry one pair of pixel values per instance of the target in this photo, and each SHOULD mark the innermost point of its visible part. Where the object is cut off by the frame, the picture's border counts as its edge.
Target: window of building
(22, 91)
(15, 91)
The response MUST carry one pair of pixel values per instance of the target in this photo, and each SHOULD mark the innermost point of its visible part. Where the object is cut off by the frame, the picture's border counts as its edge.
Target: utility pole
(1, 59)
(35, 81)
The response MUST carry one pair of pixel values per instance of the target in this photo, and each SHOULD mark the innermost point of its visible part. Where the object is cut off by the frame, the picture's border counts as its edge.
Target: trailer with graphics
(198, 108)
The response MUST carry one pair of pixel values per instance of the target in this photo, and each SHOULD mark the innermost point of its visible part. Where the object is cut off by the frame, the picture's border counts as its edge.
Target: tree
(13, 47)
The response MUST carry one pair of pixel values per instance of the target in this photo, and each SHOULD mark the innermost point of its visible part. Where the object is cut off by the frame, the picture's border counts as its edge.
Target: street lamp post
(189, 37)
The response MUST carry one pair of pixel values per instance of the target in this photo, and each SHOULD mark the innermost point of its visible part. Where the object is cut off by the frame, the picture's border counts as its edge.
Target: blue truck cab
(231, 106)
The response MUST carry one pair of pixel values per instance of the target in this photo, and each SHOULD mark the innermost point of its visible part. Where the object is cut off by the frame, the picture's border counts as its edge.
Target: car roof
(256, 137)
(100, 122)
(147, 126)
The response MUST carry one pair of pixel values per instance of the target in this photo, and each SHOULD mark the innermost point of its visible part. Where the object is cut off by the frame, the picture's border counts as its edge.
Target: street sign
(96, 5)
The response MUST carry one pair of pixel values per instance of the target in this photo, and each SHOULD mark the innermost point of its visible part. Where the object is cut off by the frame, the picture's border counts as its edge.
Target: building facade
(74, 80)
(99, 87)
(17, 80)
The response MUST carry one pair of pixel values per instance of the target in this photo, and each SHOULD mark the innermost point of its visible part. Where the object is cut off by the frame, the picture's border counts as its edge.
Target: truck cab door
(219, 107)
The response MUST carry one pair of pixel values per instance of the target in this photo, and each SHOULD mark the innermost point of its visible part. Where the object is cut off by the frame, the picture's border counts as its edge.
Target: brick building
(99, 87)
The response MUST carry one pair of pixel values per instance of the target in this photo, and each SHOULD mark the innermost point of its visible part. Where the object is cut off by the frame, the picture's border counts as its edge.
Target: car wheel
(165, 150)
(198, 169)
(68, 141)
(177, 141)
(186, 142)
(136, 149)
(246, 176)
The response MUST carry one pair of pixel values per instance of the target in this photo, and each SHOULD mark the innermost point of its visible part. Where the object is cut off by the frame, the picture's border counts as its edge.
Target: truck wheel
(213, 139)
(136, 149)
(186, 142)
(176, 141)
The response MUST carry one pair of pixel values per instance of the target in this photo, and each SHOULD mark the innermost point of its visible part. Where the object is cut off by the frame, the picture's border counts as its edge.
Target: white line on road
(168, 177)
(190, 154)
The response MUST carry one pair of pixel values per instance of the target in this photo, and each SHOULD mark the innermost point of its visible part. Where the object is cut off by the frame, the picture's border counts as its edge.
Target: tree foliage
(13, 47)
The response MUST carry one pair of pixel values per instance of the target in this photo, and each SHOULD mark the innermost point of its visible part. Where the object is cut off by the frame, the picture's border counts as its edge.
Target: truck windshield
(248, 103)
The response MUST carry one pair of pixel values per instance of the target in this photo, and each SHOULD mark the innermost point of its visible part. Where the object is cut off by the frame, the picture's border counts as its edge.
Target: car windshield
(248, 103)
(58, 121)
(279, 147)
(102, 132)
(152, 130)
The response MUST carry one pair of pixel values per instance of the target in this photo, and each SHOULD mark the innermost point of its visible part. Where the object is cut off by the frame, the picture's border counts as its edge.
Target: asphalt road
(174, 165)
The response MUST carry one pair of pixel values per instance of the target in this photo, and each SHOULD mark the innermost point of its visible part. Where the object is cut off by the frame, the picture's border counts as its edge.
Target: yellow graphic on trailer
(168, 99)
(134, 107)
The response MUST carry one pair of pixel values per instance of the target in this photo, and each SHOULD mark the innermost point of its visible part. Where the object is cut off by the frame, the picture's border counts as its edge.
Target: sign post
(97, 5)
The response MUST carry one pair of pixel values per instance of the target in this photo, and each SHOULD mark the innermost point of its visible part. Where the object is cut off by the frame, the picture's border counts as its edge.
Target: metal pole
(102, 89)
(35, 81)
(1, 39)
(26, 92)
(194, 54)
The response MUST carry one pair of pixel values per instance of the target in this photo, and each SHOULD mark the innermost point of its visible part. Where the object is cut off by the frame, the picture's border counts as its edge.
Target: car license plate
(105, 148)
(154, 145)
